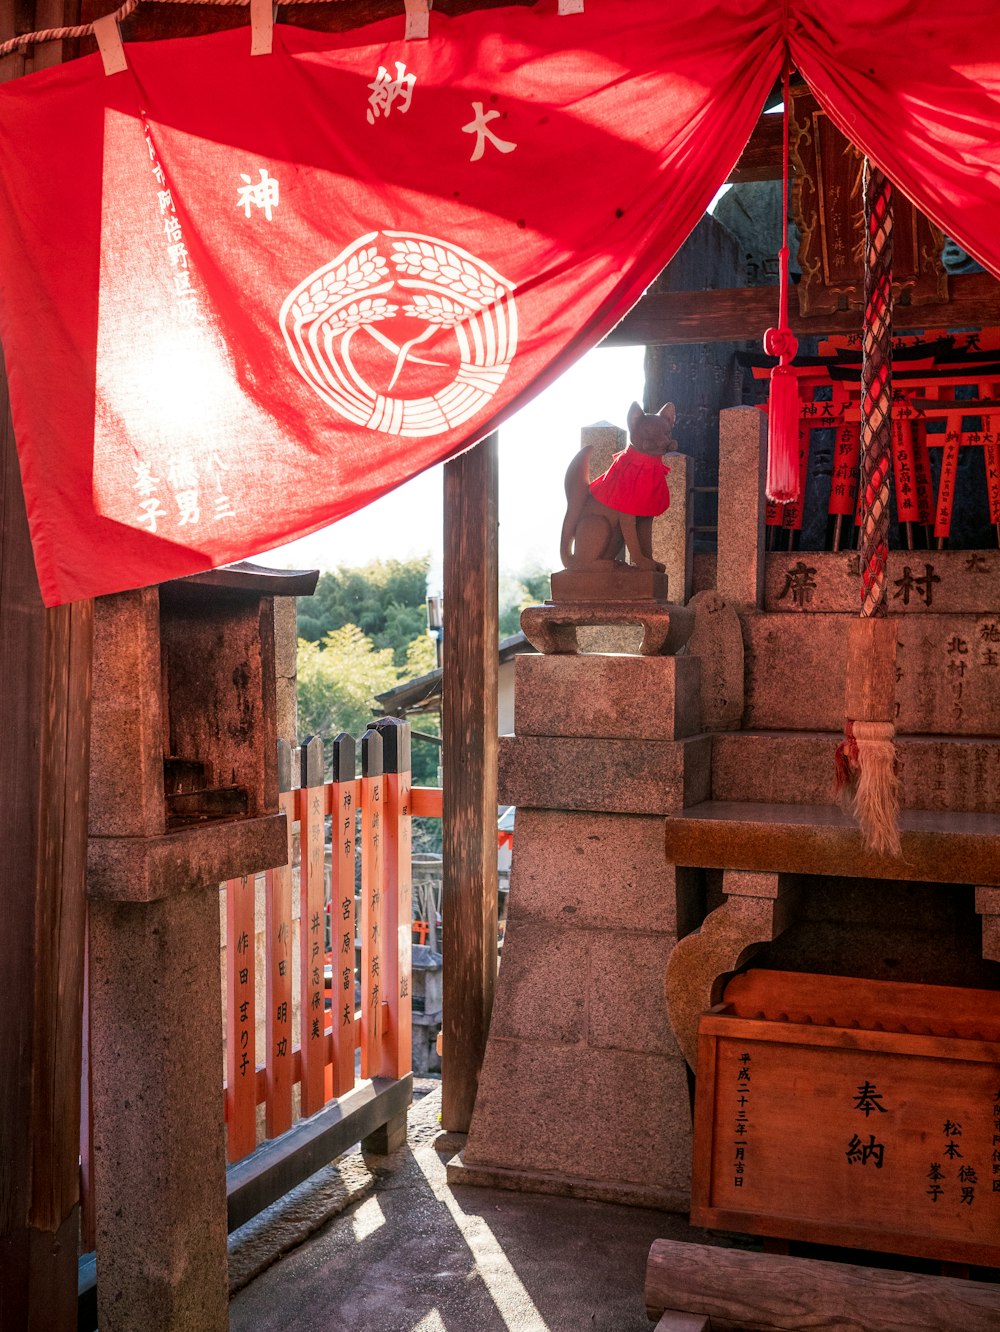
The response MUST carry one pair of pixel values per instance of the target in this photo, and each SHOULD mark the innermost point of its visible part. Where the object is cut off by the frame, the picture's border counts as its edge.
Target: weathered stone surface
(604, 441)
(948, 673)
(159, 1137)
(673, 531)
(718, 641)
(597, 1115)
(625, 583)
(144, 869)
(286, 667)
(626, 1009)
(742, 461)
(788, 767)
(652, 698)
(126, 772)
(614, 776)
(544, 992)
(939, 582)
(553, 627)
(702, 960)
(603, 871)
(938, 846)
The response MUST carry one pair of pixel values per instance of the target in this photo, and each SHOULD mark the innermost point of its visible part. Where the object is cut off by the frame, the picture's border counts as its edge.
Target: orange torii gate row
(929, 374)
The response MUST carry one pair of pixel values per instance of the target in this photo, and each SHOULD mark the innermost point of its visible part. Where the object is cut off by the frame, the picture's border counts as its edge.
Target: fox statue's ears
(635, 414)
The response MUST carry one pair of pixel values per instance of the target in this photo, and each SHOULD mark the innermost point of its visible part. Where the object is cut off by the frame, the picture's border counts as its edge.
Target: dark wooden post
(44, 731)
(469, 741)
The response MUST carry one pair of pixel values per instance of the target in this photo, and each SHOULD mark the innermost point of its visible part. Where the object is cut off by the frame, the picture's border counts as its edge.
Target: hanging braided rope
(28, 39)
(866, 759)
(876, 391)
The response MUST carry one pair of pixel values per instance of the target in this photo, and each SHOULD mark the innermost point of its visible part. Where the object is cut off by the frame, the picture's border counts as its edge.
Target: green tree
(385, 599)
(338, 680)
(517, 591)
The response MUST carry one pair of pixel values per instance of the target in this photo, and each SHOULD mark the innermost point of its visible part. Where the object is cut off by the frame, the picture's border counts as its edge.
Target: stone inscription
(939, 581)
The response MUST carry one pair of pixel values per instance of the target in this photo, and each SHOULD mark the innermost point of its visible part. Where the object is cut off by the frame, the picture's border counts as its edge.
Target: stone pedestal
(159, 1137)
(584, 1090)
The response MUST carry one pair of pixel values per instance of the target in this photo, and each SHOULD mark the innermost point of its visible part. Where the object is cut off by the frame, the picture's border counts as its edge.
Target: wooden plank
(762, 1292)
(343, 809)
(278, 963)
(396, 1056)
(241, 1050)
(45, 661)
(742, 314)
(372, 900)
(426, 802)
(312, 811)
(761, 158)
(469, 752)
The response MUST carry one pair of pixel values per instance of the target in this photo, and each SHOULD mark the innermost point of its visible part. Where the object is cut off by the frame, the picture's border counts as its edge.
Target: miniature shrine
(751, 968)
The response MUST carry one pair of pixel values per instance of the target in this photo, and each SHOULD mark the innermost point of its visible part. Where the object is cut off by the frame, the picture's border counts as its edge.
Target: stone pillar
(673, 531)
(159, 1136)
(742, 464)
(285, 667)
(584, 1090)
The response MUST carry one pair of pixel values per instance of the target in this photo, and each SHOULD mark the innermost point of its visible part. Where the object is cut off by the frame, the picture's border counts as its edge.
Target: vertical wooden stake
(45, 692)
(372, 901)
(343, 808)
(278, 964)
(469, 741)
(312, 811)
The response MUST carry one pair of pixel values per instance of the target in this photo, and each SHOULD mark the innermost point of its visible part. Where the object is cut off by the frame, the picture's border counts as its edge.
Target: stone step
(796, 767)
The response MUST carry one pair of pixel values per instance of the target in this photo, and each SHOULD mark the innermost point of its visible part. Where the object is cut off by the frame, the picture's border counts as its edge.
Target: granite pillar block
(739, 577)
(158, 1114)
(592, 871)
(616, 776)
(673, 531)
(587, 1122)
(626, 1009)
(604, 697)
(544, 994)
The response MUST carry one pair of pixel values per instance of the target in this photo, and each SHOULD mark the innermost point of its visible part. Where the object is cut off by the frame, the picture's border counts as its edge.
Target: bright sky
(535, 448)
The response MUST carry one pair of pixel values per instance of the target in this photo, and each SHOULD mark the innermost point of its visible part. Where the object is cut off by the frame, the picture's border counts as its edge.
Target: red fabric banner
(242, 297)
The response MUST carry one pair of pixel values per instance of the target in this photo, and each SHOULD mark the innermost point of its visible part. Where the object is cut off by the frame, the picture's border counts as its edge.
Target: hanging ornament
(782, 484)
(867, 776)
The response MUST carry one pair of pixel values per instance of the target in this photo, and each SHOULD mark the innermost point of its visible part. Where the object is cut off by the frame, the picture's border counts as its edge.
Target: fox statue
(615, 512)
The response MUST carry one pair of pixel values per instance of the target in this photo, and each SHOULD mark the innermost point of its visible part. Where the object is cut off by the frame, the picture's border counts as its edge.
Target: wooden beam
(742, 314)
(761, 158)
(469, 749)
(44, 731)
(737, 1289)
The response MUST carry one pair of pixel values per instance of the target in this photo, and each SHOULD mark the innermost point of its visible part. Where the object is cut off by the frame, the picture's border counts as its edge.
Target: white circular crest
(397, 310)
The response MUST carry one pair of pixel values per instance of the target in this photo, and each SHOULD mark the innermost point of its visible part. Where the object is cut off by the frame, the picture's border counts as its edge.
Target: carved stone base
(608, 581)
(551, 628)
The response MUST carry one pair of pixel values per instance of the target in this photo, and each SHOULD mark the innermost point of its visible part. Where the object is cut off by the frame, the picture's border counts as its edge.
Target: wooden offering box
(851, 1112)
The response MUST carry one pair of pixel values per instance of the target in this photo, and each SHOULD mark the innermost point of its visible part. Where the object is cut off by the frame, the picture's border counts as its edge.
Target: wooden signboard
(827, 205)
(851, 1112)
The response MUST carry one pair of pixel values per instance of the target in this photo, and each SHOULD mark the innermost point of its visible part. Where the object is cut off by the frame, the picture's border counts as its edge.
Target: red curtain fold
(242, 297)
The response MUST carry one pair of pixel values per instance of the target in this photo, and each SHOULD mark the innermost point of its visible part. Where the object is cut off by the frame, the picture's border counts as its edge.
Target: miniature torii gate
(925, 386)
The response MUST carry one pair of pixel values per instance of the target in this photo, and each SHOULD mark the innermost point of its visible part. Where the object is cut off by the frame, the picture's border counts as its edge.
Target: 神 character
(615, 512)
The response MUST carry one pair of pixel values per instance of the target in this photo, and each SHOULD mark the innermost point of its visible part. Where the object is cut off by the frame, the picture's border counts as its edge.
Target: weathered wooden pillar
(45, 661)
(469, 746)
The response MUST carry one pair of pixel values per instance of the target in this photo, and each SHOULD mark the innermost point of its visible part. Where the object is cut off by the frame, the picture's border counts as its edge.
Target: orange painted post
(312, 812)
(372, 895)
(426, 802)
(397, 1038)
(343, 808)
(278, 964)
(241, 1055)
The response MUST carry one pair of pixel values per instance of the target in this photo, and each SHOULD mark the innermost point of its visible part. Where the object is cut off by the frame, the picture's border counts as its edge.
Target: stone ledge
(937, 846)
(607, 697)
(606, 776)
(146, 869)
(567, 1186)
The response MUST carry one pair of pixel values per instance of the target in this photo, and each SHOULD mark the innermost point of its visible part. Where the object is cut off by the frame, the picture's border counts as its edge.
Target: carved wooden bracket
(756, 910)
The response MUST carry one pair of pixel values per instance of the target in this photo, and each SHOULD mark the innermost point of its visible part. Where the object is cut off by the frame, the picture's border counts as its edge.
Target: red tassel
(783, 410)
(783, 435)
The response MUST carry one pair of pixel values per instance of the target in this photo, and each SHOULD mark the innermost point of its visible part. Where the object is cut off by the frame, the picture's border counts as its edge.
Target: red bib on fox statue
(634, 483)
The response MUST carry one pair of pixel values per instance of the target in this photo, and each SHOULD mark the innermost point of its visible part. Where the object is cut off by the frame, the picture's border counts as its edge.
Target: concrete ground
(410, 1254)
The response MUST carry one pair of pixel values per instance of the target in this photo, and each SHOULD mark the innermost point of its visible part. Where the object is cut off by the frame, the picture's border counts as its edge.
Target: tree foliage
(338, 679)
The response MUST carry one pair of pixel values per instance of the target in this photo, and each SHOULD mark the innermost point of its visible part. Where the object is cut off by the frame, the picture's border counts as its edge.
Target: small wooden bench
(938, 846)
